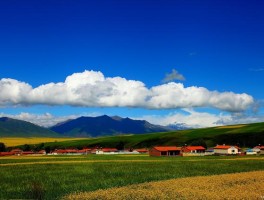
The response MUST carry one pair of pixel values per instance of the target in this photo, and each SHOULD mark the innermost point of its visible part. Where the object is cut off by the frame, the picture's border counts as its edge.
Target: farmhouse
(141, 151)
(193, 151)
(257, 149)
(165, 151)
(226, 150)
(6, 154)
(106, 151)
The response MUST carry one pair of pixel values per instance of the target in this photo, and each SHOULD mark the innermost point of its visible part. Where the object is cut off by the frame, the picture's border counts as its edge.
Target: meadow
(56, 177)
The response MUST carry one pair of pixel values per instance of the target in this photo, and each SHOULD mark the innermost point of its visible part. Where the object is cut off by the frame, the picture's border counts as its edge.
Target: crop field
(245, 185)
(56, 177)
(16, 141)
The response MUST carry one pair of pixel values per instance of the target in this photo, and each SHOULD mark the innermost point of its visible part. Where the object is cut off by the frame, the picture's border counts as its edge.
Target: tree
(2, 147)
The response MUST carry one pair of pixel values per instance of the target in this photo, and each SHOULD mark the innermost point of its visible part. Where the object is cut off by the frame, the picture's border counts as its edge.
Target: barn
(165, 151)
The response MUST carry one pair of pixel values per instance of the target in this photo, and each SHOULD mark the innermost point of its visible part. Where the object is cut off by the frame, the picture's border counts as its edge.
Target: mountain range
(105, 125)
(80, 127)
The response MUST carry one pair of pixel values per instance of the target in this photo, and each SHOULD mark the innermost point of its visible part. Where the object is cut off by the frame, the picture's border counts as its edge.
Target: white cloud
(174, 75)
(194, 119)
(93, 89)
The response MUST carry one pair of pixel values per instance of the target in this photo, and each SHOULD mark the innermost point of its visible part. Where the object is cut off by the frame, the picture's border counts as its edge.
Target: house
(165, 151)
(106, 151)
(257, 149)
(6, 154)
(226, 150)
(43, 152)
(193, 151)
(141, 151)
(262, 150)
(24, 153)
(250, 152)
(84, 151)
(17, 152)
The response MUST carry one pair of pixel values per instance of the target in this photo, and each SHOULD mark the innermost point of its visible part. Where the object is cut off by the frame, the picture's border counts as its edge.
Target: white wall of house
(231, 150)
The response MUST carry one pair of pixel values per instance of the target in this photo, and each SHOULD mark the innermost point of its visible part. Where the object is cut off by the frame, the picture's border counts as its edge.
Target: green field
(53, 177)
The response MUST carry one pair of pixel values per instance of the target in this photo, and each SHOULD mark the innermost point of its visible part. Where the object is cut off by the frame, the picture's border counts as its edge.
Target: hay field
(16, 141)
(246, 185)
(230, 126)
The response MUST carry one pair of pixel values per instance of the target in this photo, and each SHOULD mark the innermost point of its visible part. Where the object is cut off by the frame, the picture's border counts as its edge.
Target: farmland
(17, 141)
(54, 177)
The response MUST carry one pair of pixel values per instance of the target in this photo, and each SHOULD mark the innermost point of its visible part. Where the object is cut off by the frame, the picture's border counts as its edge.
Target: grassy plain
(53, 177)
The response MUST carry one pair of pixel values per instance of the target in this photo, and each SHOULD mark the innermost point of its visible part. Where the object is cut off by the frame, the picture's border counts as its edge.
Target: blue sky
(216, 45)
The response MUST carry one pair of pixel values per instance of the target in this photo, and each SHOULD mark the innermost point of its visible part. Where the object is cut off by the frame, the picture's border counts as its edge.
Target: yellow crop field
(232, 126)
(246, 185)
(15, 141)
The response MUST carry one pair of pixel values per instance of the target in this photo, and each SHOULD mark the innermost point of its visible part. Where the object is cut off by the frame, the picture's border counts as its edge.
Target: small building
(141, 151)
(42, 152)
(6, 154)
(261, 150)
(257, 149)
(17, 152)
(250, 152)
(84, 151)
(193, 151)
(24, 153)
(106, 151)
(165, 151)
(226, 150)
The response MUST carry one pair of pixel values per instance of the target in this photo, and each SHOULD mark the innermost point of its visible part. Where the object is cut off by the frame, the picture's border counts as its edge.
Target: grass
(17, 141)
(52, 177)
(246, 185)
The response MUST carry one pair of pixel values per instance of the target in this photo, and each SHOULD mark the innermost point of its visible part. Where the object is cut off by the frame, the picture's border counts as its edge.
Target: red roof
(84, 150)
(168, 148)
(225, 147)
(141, 150)
(42, 151)
(16, 150)
(194, 148)
(109, 149)
(27, 152)
(259, 147)
(7, 153)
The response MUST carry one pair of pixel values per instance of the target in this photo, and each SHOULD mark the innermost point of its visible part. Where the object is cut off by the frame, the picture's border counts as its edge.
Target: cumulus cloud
(93, 89)
(174, 75)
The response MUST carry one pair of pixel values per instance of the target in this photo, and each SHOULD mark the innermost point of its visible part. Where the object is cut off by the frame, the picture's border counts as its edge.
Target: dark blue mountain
(105, 125)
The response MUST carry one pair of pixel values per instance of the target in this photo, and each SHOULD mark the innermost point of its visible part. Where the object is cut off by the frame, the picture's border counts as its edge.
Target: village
(154, 151)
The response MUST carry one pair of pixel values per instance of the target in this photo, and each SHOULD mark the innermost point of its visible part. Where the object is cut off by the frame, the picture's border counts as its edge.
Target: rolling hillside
(246, 135)
(18, 128)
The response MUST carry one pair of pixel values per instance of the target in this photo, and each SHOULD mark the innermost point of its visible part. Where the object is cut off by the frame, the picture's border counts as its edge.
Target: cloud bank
(93, 89)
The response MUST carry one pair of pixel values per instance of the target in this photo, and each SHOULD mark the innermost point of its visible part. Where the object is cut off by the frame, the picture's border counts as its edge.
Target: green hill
(18, 128)
(246, 135)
